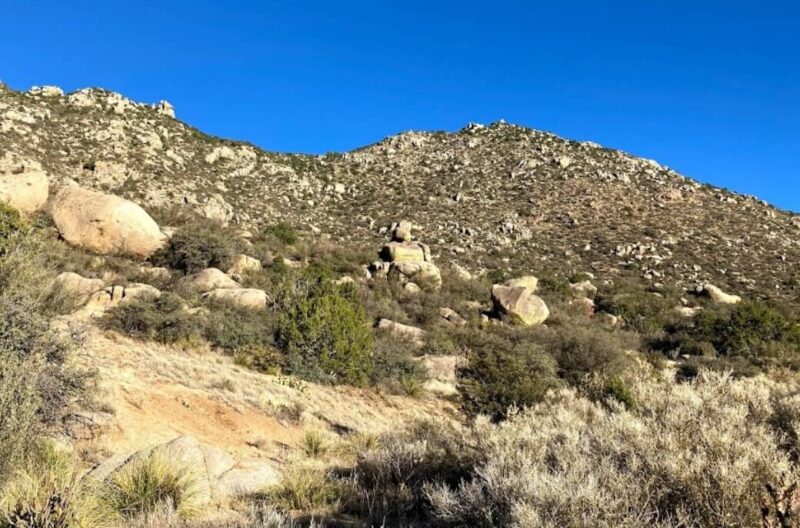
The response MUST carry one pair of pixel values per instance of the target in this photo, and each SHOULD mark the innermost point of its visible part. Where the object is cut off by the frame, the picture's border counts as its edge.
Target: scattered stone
(686, 311)
(79, 288)
(608, 320)
(243, 264)
(402, 232)
(452, 317)
(583, 305)
(461, 272)
(528, 281)
(583, 289)
(211, 279)
(412, 334)
(411, 288)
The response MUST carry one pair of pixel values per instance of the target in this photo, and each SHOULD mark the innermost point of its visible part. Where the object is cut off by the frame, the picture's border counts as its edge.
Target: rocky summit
(487, 197)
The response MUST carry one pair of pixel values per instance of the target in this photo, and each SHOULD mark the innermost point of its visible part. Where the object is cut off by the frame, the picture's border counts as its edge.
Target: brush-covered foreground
(667, 421)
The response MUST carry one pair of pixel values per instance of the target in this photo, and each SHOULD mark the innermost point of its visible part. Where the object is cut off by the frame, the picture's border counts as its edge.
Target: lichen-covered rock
(403, 252)
(245, 297)
(211, 279)
(402, 232)
(519, 305)
(104, 223)
(424, 274)
(412, 334)
(78, 288)
(243, 264)
(583, 289)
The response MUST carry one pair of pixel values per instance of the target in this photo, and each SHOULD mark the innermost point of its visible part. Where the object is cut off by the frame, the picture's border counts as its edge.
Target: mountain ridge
(486, 197)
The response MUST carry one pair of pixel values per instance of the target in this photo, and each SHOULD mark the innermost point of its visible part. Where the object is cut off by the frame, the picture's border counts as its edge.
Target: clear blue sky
(709, 88)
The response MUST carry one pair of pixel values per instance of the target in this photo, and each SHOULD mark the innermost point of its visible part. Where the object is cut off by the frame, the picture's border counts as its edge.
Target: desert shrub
(387, 485)
(166, 320)
(19, 405)
(11, 227)
(395, 369)
(38, 384)
(497, 377)
(197, 246)
(695, 454)
(236, 329)
(150, 484)
(643, 311)
(283, 232)
(324, 332)
(588, 351)
(751, 329)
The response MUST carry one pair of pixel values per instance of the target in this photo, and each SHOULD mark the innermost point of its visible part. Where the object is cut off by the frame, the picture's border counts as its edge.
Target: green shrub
(619, 391)
(235, 328)
(497, 377)
(283, 232)
(11, 227)
(588, 351)
(644, 312)
(325, 333)
(395, 369)
(752, 330)
(166, 320)
(197, 246)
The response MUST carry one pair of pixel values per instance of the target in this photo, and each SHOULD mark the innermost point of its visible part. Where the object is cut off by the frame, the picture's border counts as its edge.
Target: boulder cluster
(407, 263)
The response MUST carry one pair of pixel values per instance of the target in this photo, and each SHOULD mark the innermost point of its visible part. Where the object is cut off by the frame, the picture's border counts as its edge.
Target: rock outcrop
(78, 288)
(104, 223)
(216, 475)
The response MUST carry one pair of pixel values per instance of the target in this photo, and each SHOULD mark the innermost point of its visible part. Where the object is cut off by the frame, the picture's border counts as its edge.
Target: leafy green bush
(497, 377)
(283, 232)
(11, 227)
(325, 332)
(395, 369)
(644, 312)
(751, 329)
(588, 351)
(165, 319)
(248, 335)
(197, 246)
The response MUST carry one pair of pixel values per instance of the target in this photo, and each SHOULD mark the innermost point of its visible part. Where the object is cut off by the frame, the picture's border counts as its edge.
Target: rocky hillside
(488, 197)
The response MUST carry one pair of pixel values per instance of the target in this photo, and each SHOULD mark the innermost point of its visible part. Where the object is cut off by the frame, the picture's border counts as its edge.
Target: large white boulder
(104, 223)
(244, 297)
(24, 187)
(519, 305)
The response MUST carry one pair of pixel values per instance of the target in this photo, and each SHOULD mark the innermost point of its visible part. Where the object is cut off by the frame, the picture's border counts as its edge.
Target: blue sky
(709, 88)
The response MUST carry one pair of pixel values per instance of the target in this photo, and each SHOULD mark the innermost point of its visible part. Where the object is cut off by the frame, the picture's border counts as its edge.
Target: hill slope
(501, 196)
